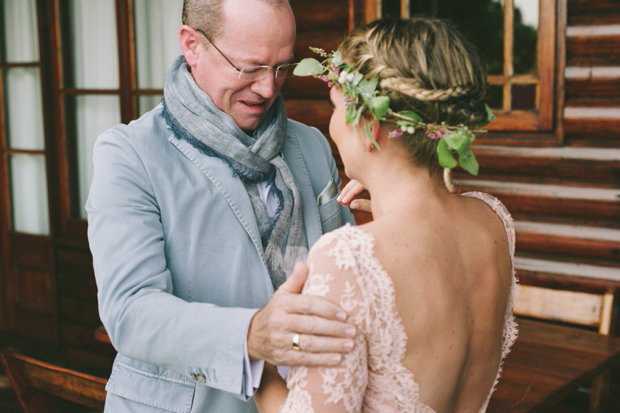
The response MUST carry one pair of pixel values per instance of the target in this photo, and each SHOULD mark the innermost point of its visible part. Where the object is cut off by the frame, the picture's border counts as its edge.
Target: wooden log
(323, 14)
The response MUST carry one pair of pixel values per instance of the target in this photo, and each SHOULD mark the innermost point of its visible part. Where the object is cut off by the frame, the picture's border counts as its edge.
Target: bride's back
(451, 270)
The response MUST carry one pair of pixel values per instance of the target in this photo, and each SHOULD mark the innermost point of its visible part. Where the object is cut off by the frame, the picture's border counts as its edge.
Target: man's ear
(191, 47)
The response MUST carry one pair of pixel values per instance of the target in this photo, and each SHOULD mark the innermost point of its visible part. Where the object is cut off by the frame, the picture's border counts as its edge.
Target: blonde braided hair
(413, 89)
(424, 65)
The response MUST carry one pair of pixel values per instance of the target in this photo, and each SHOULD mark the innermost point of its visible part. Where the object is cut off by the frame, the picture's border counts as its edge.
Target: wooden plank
(311, 112)
(78, 311)
(324, 14)
(570, 269)
(560, 305)
(593, 82)
(571, 240)
(548, 362)
(30, 374)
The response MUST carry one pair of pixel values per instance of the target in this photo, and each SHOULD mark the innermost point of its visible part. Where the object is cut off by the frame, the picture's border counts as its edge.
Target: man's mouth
(254, 105)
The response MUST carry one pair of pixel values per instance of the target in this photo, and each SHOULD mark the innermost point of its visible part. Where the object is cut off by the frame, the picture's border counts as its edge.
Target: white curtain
(20, 25)
(24, 115)
(94, 46)
(93, 43)
(157, 24)
(29, 194)
(94, 114)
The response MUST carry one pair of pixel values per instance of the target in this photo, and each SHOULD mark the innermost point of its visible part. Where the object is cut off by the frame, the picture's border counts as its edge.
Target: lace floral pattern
(371, 377)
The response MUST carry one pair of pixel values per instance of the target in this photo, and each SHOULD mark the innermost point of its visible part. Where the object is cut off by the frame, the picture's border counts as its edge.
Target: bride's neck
(397, 187)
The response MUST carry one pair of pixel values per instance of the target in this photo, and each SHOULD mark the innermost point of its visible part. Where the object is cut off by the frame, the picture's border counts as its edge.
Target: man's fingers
(319, 344)
(295, 282)
(304, 324)
(313, 305)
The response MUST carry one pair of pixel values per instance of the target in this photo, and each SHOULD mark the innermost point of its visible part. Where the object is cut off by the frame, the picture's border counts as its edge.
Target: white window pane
(146, 103)
(24, 108)
(20, 30)
(93, 43)
(525, 36)
(29, 194)
(93, 115)
(157, 24)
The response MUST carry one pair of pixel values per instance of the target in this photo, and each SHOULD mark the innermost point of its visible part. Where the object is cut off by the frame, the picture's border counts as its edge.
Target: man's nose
(265, 86)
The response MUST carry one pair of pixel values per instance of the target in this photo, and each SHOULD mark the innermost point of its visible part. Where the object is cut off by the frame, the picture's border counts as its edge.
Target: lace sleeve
(333, 274)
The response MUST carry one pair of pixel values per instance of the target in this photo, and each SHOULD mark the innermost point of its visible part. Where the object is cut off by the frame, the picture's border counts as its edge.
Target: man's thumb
(295, 282)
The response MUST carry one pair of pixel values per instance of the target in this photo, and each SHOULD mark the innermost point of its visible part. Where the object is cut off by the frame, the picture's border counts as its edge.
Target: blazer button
(201, 378)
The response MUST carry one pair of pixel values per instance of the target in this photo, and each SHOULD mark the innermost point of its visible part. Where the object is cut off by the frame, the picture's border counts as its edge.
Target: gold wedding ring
(296, 338)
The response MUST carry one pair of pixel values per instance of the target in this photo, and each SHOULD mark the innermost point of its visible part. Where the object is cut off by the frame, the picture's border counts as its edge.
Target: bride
(429, 282)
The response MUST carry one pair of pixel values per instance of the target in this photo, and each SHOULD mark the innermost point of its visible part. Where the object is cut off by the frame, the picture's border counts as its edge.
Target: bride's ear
(375, 129)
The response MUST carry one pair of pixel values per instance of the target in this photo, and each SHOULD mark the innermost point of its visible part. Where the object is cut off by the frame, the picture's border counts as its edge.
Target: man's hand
(350, 190)
(323, 334)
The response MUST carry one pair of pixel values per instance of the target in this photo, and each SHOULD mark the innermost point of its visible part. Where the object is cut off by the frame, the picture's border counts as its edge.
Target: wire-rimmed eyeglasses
(254, 73)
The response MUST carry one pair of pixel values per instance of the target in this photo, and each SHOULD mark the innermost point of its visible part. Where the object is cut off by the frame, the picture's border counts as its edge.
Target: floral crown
(362, 95)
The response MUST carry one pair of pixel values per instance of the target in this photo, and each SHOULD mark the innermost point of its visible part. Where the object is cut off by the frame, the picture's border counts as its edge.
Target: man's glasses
(254, 73)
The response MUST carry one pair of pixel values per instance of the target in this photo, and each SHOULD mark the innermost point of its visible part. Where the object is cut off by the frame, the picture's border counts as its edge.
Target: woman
(429, 282)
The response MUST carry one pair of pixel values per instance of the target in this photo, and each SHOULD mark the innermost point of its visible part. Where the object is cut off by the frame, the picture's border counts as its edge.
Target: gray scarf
(193, 116)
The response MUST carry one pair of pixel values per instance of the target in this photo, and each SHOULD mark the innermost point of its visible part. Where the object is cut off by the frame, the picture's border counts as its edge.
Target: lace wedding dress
(371, 377)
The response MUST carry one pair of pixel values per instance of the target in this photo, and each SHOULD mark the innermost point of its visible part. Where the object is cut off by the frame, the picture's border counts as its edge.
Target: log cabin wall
(565, 197)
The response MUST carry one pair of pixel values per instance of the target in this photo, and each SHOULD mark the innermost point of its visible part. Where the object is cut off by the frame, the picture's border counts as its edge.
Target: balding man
(198, 212)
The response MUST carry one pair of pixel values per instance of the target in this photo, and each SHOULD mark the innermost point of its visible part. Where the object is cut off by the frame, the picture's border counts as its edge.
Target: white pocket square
(328, 193)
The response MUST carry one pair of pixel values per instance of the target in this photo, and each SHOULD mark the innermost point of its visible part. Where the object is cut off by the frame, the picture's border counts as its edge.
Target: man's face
(253, 33)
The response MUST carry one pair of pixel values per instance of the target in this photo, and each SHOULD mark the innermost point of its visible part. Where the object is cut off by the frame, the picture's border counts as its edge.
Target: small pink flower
(437, 134)
(396, 133)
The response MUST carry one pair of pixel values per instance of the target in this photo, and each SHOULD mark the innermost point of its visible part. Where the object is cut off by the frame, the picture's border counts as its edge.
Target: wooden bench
(45, 388)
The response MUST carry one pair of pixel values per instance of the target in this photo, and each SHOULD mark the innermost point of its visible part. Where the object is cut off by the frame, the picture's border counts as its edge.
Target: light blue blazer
(179, 262)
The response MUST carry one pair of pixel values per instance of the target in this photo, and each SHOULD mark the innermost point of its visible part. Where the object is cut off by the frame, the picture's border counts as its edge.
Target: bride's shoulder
(344, 241)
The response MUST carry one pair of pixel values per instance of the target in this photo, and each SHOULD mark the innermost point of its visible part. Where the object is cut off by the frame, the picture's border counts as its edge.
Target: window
(22, 139)
(516, 39)
(111, 62)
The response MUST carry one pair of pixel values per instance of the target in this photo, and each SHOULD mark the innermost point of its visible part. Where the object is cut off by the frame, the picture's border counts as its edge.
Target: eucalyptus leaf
(490, 115)
(458, 139)
(411, 115)
(468, 162)
(358, 114)
(444, 156)
(367, 88)
(337, 58)
(351, 111)
(379, 106)
(308, 67)
(369, 134)
(357, 77)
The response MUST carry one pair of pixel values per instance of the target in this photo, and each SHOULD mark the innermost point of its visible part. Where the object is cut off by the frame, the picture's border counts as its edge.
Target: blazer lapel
(293, 156)
(220, 174)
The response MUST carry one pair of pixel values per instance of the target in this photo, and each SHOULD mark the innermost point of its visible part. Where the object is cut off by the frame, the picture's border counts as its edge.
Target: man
(199, 210)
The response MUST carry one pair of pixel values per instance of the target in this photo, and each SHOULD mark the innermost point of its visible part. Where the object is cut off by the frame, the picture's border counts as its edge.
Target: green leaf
(367, 88)
(379, 106)
(351, 111)
(490, 115)
(405, 123)
(444, 156)
(308, 67)
(411, 115)
(357, 77)
(468, 161)
(358, 114)
(369, 134)
(458, 139)
(337, 58)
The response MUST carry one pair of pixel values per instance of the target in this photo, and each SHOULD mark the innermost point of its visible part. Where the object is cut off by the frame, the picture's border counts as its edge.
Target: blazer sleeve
(333, 169)
(143, 317)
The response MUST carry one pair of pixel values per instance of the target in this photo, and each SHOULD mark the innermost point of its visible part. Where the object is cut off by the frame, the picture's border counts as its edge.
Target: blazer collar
(232, 189)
